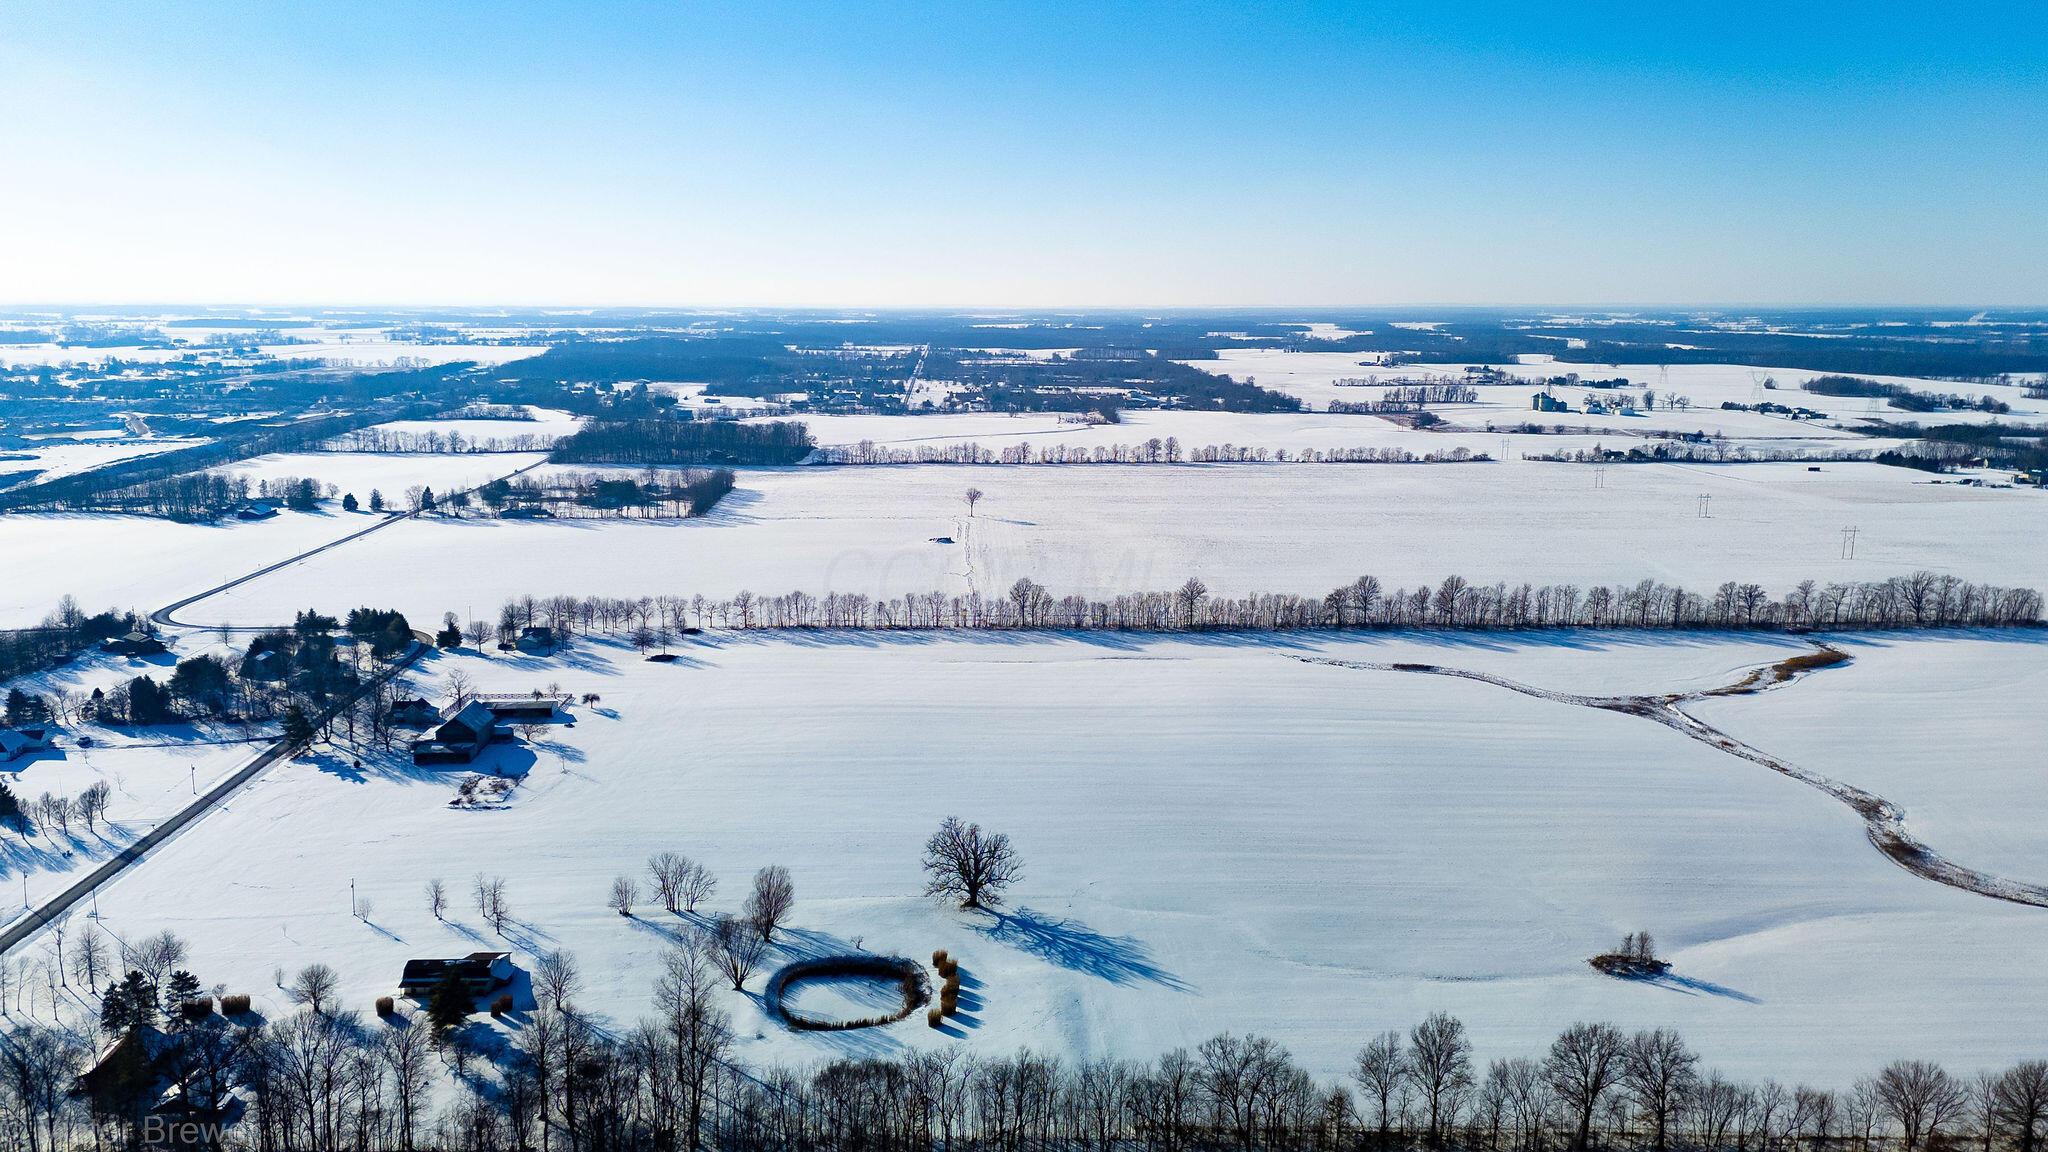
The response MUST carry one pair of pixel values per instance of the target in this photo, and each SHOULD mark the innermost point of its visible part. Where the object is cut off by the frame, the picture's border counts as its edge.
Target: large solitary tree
(970, 865)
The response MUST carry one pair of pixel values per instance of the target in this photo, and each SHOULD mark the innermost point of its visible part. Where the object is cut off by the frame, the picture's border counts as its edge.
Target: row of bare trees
(1920, 600)
(1153, 451)
(328, 1080)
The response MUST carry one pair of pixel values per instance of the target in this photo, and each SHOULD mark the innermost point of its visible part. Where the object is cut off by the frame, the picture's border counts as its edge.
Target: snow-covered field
(1948, 728)
(1323, 431)
(1312, 376)
(140, 562)
(1107, 529)
(546, 422)
(51, 459)
(1216, 836)
(390, 473)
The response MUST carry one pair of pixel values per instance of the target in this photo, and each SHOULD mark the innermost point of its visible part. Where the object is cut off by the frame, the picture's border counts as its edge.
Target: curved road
(1883, 822)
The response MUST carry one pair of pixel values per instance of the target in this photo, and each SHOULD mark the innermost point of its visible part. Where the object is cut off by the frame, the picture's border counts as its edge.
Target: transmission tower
(1849, 542)
(1599, 475)
(1704, 501)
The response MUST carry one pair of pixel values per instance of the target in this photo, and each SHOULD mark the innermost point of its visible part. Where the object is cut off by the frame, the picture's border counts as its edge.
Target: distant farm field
(1107, 529)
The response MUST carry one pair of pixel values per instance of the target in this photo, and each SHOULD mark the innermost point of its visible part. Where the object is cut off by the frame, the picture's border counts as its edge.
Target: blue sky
(980, 155)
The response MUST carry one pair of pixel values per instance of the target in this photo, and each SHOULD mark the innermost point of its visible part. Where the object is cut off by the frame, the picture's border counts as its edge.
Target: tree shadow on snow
(1073, 945)
(1693, 987)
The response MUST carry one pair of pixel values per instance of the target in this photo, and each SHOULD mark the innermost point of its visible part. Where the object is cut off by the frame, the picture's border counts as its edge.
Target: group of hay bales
(949, 991)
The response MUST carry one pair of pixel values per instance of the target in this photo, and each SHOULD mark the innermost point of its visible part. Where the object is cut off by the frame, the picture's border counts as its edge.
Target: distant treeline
(1153, 451)
(200, 496)
(1407, 397)
(688, 492)
(1900, 396)
(1921, 600)
(663, 441)
(88, 490)
(380, 439)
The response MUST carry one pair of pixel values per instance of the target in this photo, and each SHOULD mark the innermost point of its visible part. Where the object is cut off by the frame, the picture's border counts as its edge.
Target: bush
(234, 1005)
(386, 1006)
(934, 1018)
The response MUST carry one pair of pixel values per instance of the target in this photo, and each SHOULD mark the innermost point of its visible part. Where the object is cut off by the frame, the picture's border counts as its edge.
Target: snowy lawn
(1216, 835)
(1106, 529)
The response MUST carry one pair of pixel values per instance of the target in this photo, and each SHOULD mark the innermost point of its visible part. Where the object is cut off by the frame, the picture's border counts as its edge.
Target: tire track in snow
(1884, 822)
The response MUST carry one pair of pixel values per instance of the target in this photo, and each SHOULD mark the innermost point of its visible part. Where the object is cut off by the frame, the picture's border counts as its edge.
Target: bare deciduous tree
(1440, 1060)
(556, 979)
(1584, 1064)
(156, 956)
(967, 864)
(314, 987)
(768, 904)
(698, 885)
(1381, 1069)
(624, 893)
(437, 897)
(1919, 1097)
(737, 949)
(1660, 1073)
(491, 904)
(89, 958)
(668, 870)
(2019, 1101)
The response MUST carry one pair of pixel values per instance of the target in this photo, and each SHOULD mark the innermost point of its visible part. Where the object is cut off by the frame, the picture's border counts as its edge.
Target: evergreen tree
(129, 1004)
(147, 702)
(348, 503)
(376, 500)
(450, 1003)
(10, 807)
(181, 988)
(298, 727)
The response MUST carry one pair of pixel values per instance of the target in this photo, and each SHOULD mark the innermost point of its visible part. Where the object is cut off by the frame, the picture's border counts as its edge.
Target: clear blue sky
(974, 154)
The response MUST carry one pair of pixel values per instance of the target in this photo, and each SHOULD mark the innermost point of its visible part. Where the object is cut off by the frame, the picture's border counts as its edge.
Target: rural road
(163, 618)
(54, 907)
(1883, 822)
(114, 865)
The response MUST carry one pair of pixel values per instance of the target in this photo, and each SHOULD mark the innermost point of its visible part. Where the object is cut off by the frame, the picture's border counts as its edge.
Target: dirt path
(1883, 822)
